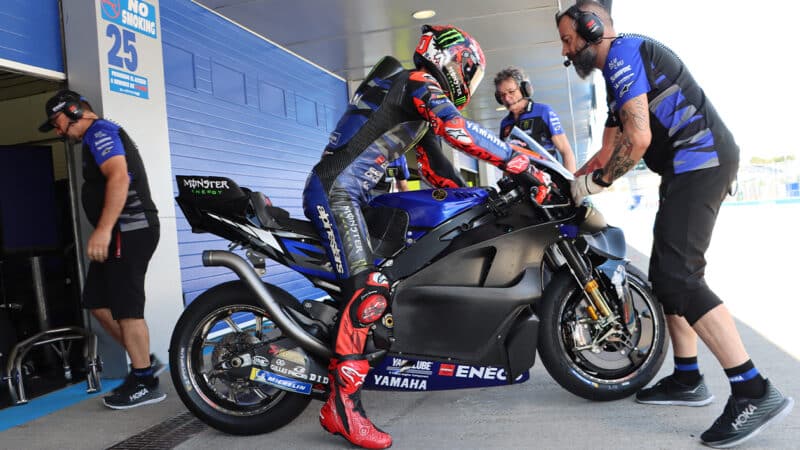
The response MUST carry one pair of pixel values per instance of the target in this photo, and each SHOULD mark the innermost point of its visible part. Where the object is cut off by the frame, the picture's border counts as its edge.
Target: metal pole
(72, 176)
(38, 290)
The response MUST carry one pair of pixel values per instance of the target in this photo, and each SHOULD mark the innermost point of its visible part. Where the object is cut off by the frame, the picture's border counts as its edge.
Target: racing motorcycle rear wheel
(601, 362)
(222, 322)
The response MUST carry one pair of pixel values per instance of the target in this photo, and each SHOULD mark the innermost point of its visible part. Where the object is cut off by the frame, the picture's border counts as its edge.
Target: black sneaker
(745, 418)
(129, 379)
(157, 365)
(670, 392)
(131, 395)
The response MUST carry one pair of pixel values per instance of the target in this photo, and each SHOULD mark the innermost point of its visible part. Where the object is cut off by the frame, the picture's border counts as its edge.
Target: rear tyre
(613, 369)
(234, 406)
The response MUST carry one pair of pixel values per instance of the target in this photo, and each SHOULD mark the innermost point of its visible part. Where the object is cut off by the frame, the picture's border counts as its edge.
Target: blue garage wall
(30, 33)
(240, 107)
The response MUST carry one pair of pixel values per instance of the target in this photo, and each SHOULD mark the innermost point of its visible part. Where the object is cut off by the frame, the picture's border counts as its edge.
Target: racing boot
(343, 413)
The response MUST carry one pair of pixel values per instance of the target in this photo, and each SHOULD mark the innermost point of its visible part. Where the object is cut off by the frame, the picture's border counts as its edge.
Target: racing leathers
(393, 111)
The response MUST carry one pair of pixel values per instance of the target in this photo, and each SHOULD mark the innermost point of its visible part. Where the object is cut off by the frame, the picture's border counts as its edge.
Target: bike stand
(60, 340)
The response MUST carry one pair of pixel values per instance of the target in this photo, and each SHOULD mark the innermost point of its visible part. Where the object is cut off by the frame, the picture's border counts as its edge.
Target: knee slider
(371, 308)
(373, 301)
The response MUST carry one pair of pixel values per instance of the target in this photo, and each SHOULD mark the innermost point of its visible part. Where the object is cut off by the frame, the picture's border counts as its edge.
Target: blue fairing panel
(429, 208)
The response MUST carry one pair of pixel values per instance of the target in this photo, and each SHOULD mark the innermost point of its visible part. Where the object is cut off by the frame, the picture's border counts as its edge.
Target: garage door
(30, 37)
(239, 106)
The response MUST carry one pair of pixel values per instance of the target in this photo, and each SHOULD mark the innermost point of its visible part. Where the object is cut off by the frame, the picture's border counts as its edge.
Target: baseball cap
(57, 103)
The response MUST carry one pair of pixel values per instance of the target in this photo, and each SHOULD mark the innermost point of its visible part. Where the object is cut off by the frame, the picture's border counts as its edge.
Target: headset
(72, 106)
(523, 84)
(587, 24)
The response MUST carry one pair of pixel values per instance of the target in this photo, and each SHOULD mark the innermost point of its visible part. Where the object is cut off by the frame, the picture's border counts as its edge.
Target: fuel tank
(429, 208)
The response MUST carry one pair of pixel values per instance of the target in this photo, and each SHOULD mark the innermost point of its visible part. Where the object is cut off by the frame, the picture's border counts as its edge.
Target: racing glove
(585, 185)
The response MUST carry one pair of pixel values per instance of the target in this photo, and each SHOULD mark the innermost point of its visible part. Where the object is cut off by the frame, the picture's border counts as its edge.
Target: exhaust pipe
(247, 274)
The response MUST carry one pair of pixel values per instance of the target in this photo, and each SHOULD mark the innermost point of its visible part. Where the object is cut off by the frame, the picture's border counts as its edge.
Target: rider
(392, 111)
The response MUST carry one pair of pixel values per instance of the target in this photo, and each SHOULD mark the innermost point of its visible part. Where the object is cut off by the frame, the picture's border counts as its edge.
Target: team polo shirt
(688, 134)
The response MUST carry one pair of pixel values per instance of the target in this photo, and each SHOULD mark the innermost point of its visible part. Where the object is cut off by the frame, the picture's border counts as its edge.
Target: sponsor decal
(204, 183)
(333, 139)
(281, 382)
(439, 194)
(416, 384)
(744, 416)
(449, 38)
(423, 43)
(401, 366)
(260, 361)
(380, 159)
(352, 375)
(619, 73)
(456, 92)
(483, 373)
(290, 369)
(459, 135)
(622, 80)
(326, 224)
(291, 355)
(484, 133)
(625, 89)
(615, 63)
(318, 378)
(447, 370)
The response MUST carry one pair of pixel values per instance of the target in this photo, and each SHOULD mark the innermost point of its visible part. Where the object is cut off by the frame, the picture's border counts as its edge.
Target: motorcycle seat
(273, 217)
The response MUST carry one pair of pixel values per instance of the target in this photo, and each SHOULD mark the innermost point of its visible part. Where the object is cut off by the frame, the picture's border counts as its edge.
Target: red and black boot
(343, 413)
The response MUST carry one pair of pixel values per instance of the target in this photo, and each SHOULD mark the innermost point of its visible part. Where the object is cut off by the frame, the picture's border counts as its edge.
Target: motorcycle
(482, 279)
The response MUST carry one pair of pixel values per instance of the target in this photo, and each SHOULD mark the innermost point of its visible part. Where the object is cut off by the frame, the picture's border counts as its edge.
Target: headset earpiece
(587, 24)
(525, 88)
(73, 110)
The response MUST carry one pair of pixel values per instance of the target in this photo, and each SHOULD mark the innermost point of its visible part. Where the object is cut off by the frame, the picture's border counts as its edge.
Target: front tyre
(587, 360)
(208, 332)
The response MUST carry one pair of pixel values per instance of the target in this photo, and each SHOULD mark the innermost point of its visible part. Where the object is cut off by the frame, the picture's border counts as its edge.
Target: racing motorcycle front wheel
(596, 359)
(215, 328)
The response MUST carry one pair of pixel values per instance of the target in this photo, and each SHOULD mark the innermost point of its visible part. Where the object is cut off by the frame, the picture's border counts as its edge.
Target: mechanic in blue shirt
(515, 92)
(116, 200)
(658, 112)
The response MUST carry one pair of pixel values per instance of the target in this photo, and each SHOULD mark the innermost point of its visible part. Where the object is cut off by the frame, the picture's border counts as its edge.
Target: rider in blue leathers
(393, 111)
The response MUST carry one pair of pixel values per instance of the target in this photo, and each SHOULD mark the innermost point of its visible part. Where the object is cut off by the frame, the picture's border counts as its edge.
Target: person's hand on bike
(533, 180)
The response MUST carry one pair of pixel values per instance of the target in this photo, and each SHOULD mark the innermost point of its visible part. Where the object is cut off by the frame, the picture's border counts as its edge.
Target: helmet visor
(477, 76)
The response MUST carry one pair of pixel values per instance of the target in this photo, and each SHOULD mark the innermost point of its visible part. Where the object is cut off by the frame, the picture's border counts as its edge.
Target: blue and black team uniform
(118, 283)
(696, 156)
(540, 122)
(396, 170)
(393, 111)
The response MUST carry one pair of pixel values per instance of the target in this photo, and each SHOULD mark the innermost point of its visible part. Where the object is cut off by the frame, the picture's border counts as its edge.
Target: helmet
(454, 58)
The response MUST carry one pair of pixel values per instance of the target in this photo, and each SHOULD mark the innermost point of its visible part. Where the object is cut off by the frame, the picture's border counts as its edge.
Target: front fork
(598, 305)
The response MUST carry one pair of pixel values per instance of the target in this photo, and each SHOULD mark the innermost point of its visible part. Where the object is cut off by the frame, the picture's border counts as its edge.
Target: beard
(584, 62)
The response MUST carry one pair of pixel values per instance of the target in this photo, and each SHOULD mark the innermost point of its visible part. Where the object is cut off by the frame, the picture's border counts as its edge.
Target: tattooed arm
(611, 137)
(631, 145)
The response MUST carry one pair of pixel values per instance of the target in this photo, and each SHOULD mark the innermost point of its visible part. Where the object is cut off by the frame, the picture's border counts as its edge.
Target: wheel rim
(611, 365)
(216, 337)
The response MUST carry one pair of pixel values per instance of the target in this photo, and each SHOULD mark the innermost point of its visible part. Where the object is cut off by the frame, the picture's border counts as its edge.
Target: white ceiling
(347, 37)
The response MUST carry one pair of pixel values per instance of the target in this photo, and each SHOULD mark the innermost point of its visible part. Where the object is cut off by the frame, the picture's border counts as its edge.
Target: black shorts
(687, 212)
(118, 283)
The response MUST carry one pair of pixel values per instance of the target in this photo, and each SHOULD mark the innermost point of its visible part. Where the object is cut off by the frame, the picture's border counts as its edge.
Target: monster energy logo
(449, 38)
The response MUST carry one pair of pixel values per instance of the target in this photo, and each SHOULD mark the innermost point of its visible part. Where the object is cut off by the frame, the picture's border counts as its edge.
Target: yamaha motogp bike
(482, 279)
